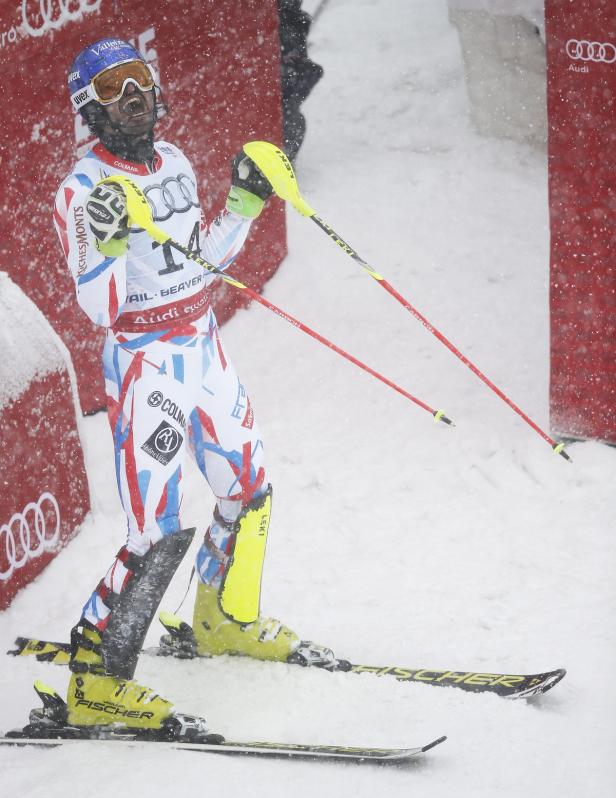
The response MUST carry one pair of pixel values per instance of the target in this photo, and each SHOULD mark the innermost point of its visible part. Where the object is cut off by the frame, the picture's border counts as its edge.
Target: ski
(304, 751)
(49, 728)
(506, 685)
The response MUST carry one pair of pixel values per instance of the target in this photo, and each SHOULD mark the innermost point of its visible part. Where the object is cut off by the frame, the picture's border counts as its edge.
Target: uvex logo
(78, 99)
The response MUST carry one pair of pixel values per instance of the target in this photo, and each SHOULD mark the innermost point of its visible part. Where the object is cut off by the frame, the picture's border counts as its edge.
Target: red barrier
(581, 49)
(45, 495)
(219, 63)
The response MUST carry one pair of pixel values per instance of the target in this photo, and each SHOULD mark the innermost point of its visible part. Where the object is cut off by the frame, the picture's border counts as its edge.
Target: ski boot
(97, 699)
(51, 722)
(213, 634)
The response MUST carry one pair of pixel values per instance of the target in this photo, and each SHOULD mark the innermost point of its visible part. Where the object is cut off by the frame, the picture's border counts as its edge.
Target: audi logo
(40, 16)
(582, 50)
(28, 534)
(173, 195)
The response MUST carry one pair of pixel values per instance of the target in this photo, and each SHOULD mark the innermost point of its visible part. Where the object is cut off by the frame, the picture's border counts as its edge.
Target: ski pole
(278, 170)
(140, 214)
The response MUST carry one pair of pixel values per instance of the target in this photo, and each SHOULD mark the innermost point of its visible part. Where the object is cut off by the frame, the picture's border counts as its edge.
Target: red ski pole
(140, 214)
(276, 167)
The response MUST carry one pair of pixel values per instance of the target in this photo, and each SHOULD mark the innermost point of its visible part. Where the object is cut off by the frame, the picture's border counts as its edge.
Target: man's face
(134, 112)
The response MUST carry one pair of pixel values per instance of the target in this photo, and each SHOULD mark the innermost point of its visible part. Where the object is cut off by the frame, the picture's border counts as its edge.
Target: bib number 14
(170, 265)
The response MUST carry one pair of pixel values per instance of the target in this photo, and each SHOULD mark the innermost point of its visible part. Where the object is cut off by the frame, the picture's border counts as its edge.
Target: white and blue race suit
(169, 382)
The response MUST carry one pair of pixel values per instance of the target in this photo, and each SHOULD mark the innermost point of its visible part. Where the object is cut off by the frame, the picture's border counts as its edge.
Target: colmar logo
(155, 399)
(126, 166)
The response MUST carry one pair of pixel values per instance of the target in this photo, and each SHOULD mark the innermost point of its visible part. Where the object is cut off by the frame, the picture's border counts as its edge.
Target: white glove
(106, 212)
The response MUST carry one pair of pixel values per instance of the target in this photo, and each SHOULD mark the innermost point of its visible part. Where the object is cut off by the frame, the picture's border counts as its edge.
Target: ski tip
(555, 678)
(540, 684)
(433, 744)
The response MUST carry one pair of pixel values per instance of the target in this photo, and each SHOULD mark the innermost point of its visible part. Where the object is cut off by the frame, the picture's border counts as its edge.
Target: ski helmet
(94, 59)
(97, 79)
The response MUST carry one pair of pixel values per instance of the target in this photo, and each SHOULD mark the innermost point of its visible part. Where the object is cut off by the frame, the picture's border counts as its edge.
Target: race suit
(169, 382)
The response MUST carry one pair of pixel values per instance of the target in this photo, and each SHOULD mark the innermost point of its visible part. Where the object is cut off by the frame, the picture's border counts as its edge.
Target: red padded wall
(581, 49)
(44, 496)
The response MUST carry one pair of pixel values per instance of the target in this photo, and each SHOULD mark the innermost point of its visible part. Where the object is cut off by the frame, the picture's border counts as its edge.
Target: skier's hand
(249, 187)
(108, 219)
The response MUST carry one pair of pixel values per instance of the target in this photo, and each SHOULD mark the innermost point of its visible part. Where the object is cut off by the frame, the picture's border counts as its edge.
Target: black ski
(506, 685)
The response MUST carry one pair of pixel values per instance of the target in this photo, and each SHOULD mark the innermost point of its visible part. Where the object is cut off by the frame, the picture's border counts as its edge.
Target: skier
(170, 387)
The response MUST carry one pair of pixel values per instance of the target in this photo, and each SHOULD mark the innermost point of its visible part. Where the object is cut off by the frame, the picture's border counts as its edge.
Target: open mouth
(134, 105)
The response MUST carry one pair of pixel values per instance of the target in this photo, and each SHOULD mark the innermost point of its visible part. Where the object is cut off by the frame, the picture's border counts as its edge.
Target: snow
(25, 358)
(394, 540)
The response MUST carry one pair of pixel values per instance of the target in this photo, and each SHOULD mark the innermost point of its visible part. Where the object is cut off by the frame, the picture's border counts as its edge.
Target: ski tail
(43, 650)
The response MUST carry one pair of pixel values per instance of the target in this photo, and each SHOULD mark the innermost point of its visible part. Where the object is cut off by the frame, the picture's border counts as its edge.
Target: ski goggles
(108, 86)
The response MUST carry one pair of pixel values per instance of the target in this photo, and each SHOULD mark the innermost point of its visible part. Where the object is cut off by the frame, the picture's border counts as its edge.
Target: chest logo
(176, 194)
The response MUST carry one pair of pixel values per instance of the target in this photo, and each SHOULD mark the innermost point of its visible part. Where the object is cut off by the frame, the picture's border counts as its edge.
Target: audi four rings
(582, 50)
(40, 16)
(175, 194)
(34, 536)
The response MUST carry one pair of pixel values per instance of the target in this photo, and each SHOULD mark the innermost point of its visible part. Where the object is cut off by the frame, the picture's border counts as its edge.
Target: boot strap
(214, 550)
(87, 667)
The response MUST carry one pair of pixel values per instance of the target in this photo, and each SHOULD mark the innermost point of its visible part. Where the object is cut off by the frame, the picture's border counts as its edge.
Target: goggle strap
(82, 96)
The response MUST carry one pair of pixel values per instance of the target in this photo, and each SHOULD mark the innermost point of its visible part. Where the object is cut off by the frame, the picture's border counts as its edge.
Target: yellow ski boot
(96, 698)
(227, 617)
(215, 633)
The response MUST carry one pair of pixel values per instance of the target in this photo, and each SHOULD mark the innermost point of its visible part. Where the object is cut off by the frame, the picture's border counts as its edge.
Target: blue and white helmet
(91, 61)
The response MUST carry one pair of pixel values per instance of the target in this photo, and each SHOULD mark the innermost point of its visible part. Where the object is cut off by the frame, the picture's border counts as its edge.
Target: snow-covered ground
(394, 540)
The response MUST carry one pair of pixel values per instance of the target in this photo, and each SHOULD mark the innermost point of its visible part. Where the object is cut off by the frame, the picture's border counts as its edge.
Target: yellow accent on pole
(277, 168)
(233, 282)
(241, 589)
(138, 207)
